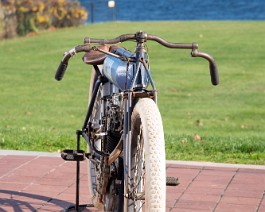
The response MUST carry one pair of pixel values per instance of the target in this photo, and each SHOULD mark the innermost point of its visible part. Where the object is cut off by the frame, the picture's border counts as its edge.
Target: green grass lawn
(224, 123)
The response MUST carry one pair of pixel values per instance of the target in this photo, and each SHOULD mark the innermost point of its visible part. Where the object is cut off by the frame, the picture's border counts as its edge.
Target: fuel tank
(121, 73)
(118, 72)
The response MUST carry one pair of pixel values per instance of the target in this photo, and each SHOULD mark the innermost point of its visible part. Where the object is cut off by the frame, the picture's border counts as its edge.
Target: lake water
(129, 10)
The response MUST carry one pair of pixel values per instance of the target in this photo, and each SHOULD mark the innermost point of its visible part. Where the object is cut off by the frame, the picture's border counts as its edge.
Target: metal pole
(78, 133)
(92, 12)
(111, 5)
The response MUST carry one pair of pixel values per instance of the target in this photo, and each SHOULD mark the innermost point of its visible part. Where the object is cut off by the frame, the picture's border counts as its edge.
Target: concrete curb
(29, 153)
(187, 163)
(211, 164)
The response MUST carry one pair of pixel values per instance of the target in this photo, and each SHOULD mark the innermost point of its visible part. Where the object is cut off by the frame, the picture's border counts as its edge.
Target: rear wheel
(93, 169)
(112, 197)
(147, 183)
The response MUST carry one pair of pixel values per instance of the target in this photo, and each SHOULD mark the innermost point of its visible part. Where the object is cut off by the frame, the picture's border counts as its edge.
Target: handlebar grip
(214, 73)
(212, 65)
(61, 70)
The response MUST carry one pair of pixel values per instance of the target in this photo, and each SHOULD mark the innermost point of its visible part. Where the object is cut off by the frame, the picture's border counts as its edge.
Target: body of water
(145, 10)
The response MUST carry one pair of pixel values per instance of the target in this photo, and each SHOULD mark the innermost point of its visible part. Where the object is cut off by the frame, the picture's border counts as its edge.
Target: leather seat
(96, 57)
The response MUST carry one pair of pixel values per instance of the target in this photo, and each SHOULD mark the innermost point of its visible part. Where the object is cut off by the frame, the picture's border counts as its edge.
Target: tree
(24, 16)
(8, 17)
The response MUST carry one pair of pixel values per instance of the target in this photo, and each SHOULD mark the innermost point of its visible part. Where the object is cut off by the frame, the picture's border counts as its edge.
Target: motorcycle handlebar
(140, 37)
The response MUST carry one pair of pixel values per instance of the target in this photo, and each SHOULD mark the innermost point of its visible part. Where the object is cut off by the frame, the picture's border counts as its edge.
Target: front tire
(147, 183)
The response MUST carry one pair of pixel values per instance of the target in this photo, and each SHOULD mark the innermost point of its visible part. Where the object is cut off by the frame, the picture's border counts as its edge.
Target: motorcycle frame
(130, 97)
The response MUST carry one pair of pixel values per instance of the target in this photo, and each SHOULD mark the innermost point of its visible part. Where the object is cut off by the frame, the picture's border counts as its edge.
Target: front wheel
(147, 178)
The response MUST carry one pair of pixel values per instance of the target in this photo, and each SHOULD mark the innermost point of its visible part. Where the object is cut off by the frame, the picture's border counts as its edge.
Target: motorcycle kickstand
(76, 157)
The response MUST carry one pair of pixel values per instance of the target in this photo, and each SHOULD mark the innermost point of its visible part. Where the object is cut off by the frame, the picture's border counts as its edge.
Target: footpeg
(73, 155)
(172, 181)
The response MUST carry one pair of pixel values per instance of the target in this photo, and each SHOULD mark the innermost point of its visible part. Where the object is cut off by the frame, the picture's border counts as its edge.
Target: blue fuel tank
(119, 72)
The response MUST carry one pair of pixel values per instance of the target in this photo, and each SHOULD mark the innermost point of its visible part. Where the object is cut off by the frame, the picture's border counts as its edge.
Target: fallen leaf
(199, 123)
(196, 137)
(244, 126)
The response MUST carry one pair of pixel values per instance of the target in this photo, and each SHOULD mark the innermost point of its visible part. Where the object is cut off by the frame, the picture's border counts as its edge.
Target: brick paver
(43, 183)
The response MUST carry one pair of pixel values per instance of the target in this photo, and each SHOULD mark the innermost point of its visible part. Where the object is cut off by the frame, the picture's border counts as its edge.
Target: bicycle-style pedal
(172, 181)
(73, 155)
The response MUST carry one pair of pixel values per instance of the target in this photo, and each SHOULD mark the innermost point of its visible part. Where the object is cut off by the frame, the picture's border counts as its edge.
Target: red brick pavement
(45, 183)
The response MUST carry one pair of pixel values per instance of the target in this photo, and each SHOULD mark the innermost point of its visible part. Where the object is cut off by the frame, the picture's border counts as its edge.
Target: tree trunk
(1, 21)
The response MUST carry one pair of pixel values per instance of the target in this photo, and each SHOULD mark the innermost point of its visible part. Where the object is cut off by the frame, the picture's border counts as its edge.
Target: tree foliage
(25, 16)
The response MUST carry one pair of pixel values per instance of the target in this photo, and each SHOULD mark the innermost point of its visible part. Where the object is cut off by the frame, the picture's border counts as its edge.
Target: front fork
(126, 147)
(129, 103)
(130, 99)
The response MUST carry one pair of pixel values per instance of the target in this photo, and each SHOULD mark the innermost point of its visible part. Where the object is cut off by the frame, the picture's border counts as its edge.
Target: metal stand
(76, 155)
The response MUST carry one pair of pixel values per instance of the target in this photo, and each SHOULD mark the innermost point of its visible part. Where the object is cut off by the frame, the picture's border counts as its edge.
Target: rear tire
(147, 186)
(112, 199)
(92, 171)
